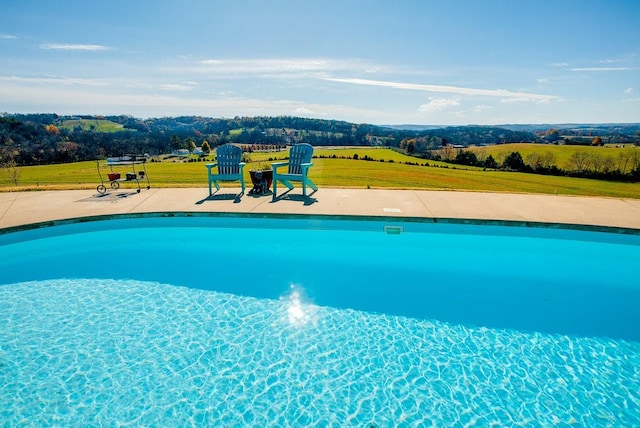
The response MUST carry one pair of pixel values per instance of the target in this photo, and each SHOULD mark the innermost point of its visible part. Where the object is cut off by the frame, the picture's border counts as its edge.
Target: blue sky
(382, 62)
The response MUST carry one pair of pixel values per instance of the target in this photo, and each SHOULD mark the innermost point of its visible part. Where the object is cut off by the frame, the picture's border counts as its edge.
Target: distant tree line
(31, 139)
(43, 139)
(586, 164)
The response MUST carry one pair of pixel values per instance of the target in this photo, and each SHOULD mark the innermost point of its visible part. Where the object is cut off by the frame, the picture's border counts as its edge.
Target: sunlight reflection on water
(299, 310)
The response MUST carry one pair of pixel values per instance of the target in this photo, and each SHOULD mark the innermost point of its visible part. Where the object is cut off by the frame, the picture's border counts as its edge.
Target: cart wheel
(101, 189)
(138, 190)
(115, 185)
(148, 187)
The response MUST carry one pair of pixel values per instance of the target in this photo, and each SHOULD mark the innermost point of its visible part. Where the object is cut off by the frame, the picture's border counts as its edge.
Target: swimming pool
(241, 320)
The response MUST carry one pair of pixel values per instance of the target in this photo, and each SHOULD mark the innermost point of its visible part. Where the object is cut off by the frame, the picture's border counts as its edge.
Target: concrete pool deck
(21, 208)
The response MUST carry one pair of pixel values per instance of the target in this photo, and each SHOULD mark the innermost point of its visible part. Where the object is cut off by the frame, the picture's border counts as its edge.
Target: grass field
(98, 125)
(561, 154)
(388, 169)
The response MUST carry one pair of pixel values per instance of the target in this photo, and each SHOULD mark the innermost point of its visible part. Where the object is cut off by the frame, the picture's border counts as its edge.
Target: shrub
(466, 157)
(490, 162)
(513, 161)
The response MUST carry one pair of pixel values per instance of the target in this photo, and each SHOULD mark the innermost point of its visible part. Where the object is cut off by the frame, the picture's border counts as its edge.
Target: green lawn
(338, 171)
(98, 125)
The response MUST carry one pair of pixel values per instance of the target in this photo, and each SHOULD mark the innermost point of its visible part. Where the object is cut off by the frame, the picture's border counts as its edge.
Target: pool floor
(124, 352)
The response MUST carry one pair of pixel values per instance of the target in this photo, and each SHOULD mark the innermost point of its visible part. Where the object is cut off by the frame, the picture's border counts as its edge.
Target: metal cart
(132, 176)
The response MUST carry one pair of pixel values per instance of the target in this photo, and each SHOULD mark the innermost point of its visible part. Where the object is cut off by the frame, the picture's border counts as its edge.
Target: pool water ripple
(104, 352)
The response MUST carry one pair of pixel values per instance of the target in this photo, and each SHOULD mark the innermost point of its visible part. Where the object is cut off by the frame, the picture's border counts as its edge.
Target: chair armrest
(211, 165)
(277, 165)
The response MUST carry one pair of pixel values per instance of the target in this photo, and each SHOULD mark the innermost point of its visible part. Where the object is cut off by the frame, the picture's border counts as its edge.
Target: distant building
(180, 153)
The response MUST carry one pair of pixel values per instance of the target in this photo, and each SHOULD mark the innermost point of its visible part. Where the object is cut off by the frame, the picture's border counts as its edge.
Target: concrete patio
(21, 208)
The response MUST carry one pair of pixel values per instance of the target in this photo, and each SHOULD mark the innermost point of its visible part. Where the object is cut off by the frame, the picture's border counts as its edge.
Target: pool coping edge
(378, 218)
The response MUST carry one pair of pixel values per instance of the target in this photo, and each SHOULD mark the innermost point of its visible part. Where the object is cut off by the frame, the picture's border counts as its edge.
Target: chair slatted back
(299, 154)
(229, 158)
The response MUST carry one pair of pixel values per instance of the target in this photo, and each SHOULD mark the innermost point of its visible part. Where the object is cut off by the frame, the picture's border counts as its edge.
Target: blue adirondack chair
(229, 165)
(298, 168)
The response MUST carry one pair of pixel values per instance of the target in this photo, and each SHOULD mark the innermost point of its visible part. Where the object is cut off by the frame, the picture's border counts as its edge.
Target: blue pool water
(226, 321)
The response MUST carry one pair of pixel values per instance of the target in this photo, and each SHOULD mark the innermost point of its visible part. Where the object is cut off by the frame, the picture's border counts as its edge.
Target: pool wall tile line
(387, 225)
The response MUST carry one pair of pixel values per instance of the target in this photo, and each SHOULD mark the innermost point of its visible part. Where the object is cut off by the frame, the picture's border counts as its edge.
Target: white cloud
(61, 80)
(446, 89)
(8, 36)
(315, 68)
(304, 111)
(63, 100)
(482, 107)
(628, 91)
(73, 47)
(601, 69)
(517, 100)
(187, 86)
(560, 64)
(262, 66)
(437, 104)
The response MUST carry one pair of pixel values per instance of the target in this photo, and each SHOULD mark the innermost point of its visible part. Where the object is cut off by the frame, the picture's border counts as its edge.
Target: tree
(206, 148)
(624, 157)
(410, 147)
(189, 144)
(533, 160)
(541, 163)
(176, 143)
(11, 170)
(601, 164)
(635, 161)
(481, 154)
(490, 162)
(547, 160)
(466, 157)
(580, 161)
(514, 161)
(597, 141)
(552, 135)
(68, 151)
(52, 129)
(448, 153)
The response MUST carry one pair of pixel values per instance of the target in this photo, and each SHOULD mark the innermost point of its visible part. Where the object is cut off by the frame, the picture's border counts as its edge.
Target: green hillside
(96, 125)
(561, 154)
(374, 168)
